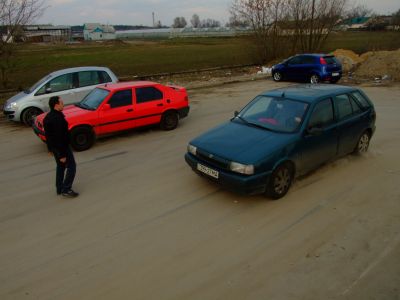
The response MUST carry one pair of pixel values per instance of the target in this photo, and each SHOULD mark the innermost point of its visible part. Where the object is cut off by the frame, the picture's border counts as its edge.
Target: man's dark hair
(53, 101)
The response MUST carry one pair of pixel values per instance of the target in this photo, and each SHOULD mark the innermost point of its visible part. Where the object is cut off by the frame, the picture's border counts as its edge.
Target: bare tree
(195, 21)
(210, 23)
(179, 22)
(313, 21)
(206, 23)
(358, 11)
(305, 23)
(158, 24)
(13, 15)
(234, 21)
(263, 16)
(396, 18)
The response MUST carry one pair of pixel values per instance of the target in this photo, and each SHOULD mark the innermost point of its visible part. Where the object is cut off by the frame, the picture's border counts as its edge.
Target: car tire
(314, 79)
(363, 143)
(280, 181)
(29, 114)
(277, 76)
(82, 138)
(169, 120)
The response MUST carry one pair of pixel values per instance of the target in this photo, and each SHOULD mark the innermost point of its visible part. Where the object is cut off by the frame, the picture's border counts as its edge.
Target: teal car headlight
(241, 168)
(192, 149)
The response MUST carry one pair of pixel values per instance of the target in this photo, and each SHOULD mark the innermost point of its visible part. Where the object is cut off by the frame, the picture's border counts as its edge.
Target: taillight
(186, 98)
(322, 61)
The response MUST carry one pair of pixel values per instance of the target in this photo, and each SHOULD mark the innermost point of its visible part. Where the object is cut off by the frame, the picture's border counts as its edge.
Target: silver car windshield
(37, 84)
(94, 99)
(277, 114)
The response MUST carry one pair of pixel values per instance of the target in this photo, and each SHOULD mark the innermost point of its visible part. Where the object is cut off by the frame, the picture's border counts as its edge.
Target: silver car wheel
(28, 115)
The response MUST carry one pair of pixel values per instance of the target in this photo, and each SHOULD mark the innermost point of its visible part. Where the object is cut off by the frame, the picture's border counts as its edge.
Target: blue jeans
(64, 179)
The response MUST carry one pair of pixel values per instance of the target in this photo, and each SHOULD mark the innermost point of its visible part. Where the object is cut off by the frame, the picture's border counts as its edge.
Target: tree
(210, 23)
(313, 21)
(263, 16)
(234, 21)
(358, 11)
(195, 21)
(305, 23)
(14, 14)
(396, 18)
(179, 22)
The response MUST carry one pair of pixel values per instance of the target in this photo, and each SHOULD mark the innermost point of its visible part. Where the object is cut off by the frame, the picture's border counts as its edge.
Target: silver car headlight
(11, 105)
(241, 168)
(192, 149)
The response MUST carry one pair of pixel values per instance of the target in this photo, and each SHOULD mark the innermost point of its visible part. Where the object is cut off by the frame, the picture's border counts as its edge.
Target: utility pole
(154, 24)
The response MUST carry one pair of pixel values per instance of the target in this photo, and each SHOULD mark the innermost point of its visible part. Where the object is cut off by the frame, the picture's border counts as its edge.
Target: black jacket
(56, 131)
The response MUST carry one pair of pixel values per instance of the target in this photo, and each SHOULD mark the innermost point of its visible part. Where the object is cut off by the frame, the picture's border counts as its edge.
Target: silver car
(72, 85)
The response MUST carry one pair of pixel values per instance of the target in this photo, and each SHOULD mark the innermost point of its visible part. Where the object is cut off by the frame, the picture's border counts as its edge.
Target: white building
(97, 32)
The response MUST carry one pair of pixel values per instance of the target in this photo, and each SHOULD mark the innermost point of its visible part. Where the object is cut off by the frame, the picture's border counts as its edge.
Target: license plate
(335, 74)
(208, 171)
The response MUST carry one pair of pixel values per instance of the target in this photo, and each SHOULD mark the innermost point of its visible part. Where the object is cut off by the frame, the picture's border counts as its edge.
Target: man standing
(57, 138)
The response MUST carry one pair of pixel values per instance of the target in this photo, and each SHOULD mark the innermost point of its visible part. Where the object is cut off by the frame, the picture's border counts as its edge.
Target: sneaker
(70, 194)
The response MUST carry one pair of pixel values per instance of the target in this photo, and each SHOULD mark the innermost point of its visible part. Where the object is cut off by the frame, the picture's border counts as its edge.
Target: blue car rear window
(330, 60)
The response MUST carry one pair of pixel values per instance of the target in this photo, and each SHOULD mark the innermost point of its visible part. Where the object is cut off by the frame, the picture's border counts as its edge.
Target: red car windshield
(93, 100)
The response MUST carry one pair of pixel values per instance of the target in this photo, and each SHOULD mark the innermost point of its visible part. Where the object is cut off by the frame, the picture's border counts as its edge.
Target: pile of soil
(381, 65)
(349, 59)
(371, 65)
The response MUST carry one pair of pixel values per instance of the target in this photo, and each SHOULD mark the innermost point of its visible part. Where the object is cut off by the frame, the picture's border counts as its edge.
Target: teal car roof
(309, 92)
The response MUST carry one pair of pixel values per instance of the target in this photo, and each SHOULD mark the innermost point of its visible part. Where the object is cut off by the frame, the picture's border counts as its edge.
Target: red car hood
(71, 112)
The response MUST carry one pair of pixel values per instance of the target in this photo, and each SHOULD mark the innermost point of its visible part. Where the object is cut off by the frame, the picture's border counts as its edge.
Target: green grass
(141, 58)
(361, 42)
(130, 59)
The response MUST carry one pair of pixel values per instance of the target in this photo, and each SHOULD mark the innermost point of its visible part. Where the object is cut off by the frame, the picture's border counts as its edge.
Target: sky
(131, 12)
(139, 12)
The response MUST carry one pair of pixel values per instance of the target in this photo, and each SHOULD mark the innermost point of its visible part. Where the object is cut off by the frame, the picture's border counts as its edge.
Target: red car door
(149, 105)
(117, 113)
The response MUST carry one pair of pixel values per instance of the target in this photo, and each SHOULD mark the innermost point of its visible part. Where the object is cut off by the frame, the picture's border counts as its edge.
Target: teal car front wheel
(280, 181)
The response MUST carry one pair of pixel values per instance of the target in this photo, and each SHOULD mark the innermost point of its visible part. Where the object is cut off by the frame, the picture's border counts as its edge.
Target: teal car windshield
(93, 100)
(277, 114)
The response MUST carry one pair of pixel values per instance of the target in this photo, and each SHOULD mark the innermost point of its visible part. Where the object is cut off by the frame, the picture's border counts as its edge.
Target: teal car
(281, 134)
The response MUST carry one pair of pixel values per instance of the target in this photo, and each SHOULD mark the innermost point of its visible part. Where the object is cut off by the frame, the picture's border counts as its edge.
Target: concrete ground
(146, 227)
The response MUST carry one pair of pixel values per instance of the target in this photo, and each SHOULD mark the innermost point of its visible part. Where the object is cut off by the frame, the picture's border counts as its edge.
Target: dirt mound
(380, 64)
(371, 65)
(349, 59)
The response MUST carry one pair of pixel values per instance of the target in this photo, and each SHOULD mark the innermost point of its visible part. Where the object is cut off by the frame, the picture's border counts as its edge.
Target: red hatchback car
(115, 107)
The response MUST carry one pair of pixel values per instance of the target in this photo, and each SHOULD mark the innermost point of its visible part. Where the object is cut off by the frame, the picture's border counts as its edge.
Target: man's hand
(63, 160)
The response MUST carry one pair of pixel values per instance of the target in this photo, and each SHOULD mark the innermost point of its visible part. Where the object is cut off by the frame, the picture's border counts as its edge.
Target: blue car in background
(313, 68)
(281, 134)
